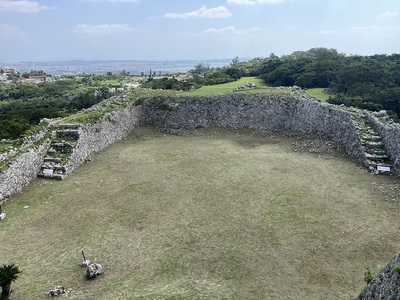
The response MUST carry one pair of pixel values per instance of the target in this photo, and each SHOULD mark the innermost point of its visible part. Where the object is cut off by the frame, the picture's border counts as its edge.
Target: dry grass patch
(218, 214)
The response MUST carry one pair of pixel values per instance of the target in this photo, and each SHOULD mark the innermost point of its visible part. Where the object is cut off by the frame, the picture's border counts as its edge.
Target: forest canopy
(366, 82)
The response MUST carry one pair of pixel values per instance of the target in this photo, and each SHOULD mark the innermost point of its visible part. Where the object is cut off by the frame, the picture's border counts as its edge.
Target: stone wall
(22, 170)
(386, 285)
(259, 112)
(256, 111)
(94, 138)
(390, 134)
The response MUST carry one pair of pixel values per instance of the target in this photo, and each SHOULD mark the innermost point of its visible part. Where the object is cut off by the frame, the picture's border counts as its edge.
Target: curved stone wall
(256, 111)
(260, 112)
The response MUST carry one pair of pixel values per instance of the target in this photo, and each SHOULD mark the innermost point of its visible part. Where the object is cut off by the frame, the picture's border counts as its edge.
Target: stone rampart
(22, 170)
(259, 112)
(93, 138)
(255, 111)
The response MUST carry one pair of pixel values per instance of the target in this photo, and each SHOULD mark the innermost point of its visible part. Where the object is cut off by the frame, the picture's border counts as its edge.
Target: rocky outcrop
(386, 285)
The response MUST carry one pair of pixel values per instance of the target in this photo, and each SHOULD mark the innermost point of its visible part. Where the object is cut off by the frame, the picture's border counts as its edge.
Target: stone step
(74, 134)
(52, 159)
(63, 146)
(379, 151)
(374, 138)
(371, 144)
(52, 176)
(69, 126)
(376, 156)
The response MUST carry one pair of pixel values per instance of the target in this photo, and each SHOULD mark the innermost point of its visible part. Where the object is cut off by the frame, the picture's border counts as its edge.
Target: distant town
(114, 66)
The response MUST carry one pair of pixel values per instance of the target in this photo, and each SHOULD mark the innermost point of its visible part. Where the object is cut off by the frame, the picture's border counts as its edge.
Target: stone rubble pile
(247, 86)
(57, 291)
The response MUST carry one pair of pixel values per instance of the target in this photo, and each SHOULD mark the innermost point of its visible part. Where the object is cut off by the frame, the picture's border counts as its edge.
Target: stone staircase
(63, 142)
(377, 159)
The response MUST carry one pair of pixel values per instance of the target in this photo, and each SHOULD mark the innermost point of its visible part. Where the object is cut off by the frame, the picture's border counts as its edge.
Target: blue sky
(193, 29)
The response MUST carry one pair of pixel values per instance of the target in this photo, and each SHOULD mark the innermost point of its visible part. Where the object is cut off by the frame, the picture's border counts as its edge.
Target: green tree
(8, 274)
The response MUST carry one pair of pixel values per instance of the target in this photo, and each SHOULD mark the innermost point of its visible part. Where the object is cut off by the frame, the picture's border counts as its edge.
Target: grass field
(225, 88)
(215, 215)
(318, 93)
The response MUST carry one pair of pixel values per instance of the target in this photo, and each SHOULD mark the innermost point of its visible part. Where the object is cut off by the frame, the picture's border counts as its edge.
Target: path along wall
(259, 112)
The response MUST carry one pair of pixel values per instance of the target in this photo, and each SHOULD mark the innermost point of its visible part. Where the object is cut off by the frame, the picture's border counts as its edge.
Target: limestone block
(85, 263)
(94, 270)
(2, 216)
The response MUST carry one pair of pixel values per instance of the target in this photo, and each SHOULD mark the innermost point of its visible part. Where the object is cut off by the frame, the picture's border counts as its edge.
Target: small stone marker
(2, 214)
(48, 172)
(383, 169)
(85, 262)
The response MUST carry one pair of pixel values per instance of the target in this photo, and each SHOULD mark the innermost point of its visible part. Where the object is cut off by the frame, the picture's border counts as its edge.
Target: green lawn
(218, 214)
(225, 87)
(318, 93)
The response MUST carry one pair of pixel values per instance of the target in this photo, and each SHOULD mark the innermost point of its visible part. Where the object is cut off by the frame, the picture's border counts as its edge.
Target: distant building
(36, 79)
(9, 70)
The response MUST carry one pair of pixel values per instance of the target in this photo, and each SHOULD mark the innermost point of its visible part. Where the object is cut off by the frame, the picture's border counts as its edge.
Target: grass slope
(225, 87)
(318, 93)
(216, 215)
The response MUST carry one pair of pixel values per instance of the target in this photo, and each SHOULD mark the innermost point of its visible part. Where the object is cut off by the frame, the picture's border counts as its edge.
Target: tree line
(367, 82)
(23, 105)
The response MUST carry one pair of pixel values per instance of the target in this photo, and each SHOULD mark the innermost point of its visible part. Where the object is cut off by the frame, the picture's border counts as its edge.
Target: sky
(44, 30)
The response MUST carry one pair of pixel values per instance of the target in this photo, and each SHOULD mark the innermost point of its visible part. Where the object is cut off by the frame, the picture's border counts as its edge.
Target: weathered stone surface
(22, 171)
(386, 285)
(94, 270)
(57, 291)
(259, 112)
(390, 133)
(256, 111)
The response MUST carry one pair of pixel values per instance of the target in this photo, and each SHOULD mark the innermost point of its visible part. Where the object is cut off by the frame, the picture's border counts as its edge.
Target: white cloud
(21, 6)
(10, 31)
(203, 12)
(113, 1)
(389, 14)
(102, 29)
(252, 2)
(359, 31)
(230, 30)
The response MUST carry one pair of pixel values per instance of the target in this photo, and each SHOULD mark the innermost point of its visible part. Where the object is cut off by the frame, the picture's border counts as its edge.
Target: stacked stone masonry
(259, 112)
